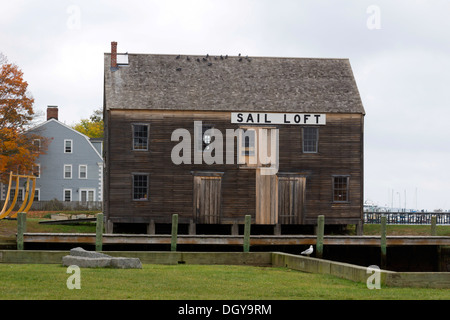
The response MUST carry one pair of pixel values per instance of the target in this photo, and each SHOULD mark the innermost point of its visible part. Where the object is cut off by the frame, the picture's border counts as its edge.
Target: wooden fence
(406, 217)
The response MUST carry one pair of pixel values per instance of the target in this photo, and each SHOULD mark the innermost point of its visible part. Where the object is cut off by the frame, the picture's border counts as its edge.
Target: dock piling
(248, 220)
(173, 242)
(99, 233)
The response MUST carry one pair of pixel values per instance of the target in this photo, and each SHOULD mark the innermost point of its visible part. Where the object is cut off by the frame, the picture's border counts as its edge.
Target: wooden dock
(255, 240)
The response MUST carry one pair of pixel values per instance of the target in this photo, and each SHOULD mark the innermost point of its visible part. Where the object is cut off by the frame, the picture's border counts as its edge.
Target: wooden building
(314, 121)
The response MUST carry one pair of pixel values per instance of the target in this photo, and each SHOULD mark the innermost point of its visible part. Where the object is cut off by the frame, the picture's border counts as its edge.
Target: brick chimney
(52, 112)
(113, 54)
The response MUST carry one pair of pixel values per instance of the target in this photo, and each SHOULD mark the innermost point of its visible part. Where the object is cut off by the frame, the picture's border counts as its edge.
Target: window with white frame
(87, 195)
(67, 171)
(36, 145)
(82, 171)
(67, 195)
(37, 170)
(68, 146)
(37, 195)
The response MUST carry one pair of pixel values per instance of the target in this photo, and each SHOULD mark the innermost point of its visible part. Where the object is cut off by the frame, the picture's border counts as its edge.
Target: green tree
(92, 127)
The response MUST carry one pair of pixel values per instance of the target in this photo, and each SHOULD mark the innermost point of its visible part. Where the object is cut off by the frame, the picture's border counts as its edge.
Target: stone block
(80, 252)
(126, 263)
(84, 262)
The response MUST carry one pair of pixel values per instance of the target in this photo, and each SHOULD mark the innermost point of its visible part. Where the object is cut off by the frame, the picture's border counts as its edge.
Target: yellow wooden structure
(27, 201)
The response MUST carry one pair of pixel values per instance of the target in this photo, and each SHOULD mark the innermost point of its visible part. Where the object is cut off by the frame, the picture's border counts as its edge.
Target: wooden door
(207, 199)
(291, 199)
(266, 198)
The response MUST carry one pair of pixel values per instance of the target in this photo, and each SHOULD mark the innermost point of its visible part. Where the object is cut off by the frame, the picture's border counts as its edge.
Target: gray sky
(399, 52)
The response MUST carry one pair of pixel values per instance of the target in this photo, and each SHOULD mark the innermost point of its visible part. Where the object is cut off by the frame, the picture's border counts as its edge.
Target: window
(19, 195)
(247, 147)
(36, 145)
(37, 171)
(140, 186)
(37, 195)
(258, 147)
(67, 195)
(82, 171)
(68, 146)
(87, 195)
(248, 143)
(140, 137)
(67, 171)
(203, 138)
(310, 139)
(340, 188)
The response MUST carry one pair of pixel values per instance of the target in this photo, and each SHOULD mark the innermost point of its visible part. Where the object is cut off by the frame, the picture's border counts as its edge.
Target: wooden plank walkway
(255, 240)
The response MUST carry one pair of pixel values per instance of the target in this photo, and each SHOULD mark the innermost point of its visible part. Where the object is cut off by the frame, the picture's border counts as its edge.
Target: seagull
(308, 251)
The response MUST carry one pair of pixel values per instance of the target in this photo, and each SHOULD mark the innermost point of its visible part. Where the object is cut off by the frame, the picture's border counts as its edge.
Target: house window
(140, 136)
(82, 171)
(67, 171)
(340, 188)
(257, 147)
(310, 139)
(37, 195)
(247, 147)
(67, 195)
(68, 146)
(140, 186)
(204, 137)
(37, 171)
(36, 145)
(19, 195)
(87, 195)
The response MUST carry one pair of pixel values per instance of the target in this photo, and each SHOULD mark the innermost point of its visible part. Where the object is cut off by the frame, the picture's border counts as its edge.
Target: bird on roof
(308, 251)
(178, 56)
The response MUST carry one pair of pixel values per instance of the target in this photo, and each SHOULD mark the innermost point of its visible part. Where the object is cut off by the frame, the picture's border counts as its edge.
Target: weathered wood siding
(171, 187)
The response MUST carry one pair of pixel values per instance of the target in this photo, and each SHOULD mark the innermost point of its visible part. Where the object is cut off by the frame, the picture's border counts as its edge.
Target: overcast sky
(399, 52)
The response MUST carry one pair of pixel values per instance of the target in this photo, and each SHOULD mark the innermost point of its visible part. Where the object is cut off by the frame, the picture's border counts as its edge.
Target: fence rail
(406, 217)
(56, 205)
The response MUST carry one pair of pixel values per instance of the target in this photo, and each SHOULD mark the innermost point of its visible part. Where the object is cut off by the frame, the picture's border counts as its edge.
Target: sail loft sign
(278, 118)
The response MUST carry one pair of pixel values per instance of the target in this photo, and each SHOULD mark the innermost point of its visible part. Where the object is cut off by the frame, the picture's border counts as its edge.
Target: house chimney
(113, 54)
(52, 112)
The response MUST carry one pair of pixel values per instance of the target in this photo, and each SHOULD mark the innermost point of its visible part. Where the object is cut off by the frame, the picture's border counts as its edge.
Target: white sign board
(279, 118)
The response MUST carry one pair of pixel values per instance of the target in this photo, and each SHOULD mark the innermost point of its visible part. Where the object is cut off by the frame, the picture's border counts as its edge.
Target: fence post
(248, 221)
(99, 232)
(433, 226)
(173, 242)
(383, 242)
(320, 233)
(21, 229)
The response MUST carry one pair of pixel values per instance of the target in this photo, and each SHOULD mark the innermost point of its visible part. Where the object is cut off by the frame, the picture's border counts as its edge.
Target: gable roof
(170, 82)
(42, 126)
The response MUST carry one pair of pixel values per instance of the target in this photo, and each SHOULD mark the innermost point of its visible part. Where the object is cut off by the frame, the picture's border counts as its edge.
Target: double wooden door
(280, 198)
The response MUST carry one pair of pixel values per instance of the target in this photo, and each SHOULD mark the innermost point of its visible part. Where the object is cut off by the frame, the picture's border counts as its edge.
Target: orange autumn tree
(18, 150)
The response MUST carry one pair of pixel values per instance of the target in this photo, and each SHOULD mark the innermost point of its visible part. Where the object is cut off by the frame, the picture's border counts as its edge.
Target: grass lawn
(191, 282)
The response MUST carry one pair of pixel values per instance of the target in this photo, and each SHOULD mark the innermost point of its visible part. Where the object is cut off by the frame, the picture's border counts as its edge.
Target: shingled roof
(220, 83)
